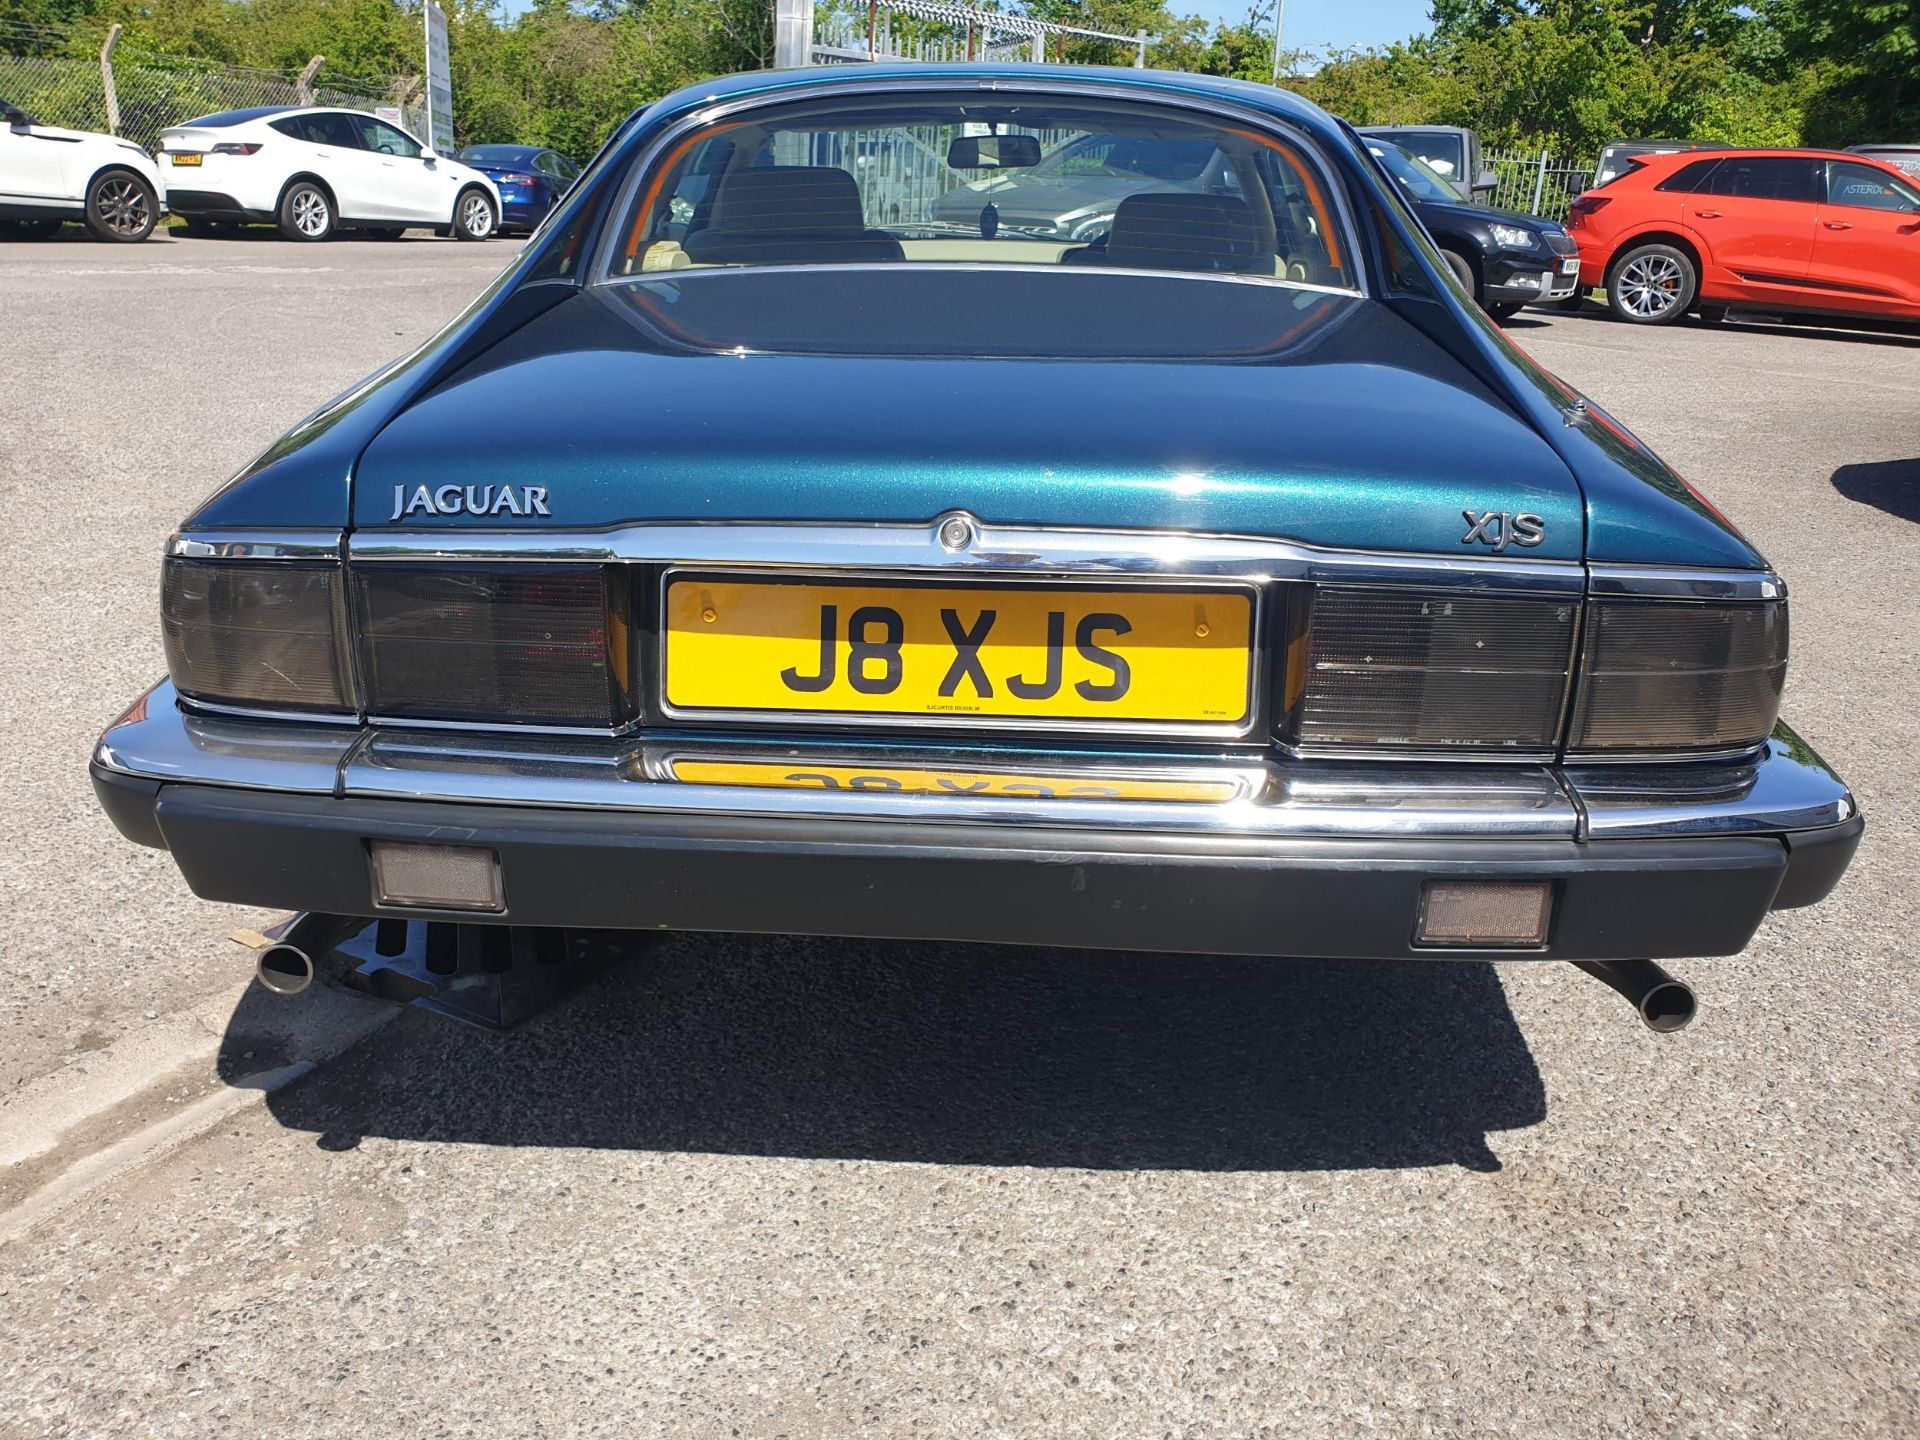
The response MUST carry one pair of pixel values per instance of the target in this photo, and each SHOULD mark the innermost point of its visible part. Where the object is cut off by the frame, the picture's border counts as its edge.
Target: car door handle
(1708, 214)
(1838, 224)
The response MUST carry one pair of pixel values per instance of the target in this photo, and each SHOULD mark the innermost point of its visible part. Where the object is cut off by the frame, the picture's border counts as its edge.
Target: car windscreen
(1060, 183)
(1418, 178)
(1440, 149)
(495, 155)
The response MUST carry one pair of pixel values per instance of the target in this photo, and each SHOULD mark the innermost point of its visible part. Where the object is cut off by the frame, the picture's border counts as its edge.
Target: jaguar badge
(1500, 529)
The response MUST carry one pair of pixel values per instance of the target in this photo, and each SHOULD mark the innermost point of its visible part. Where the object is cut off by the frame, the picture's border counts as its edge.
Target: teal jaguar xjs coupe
(857, 565)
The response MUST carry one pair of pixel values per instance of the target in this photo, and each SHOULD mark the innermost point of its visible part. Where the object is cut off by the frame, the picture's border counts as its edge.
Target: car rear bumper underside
(1306, 859)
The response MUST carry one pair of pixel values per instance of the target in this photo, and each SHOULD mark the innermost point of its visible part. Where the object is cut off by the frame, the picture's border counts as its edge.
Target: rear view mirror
(16, 117)
(993, 152)
(1487, 183)
(429, 154)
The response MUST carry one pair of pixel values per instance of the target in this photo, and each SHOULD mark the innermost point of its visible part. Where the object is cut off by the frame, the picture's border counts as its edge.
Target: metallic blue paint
(1294, 450)
(1356, 452)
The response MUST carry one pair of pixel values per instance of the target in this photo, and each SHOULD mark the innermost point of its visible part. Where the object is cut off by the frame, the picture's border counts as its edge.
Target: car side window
(379, 136)
(1689, 179)
(332, 130)
(1861, 187)
(1766, 177)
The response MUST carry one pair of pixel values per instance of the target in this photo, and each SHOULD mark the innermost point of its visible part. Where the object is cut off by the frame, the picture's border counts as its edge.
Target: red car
(1804, 230)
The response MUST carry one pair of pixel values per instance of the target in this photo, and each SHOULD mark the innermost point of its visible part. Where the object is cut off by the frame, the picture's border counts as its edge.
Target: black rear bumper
(1111, 889)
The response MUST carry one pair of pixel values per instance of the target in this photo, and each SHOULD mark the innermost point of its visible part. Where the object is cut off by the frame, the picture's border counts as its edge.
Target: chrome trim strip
(1321, 800)
(157, 740)
(600, 270)
(1253, 719)
(1009, 550)
(257, 545)
(1786, 786)
(1660, 582)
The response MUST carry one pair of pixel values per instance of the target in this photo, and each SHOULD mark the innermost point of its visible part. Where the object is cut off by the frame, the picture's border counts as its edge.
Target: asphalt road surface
(769, 1187)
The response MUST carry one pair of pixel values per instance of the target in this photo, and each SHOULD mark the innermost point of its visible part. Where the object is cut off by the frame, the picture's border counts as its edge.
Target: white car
(49, 175)
(314, 170)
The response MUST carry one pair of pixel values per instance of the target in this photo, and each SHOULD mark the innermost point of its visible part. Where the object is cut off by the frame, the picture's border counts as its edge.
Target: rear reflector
(1389, 670)
(514, 645)
(1485, 913)
(437, 877)
(1662, 676)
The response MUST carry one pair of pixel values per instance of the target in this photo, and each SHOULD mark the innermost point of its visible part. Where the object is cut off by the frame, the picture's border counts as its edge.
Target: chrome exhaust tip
(284, 969)
(1665, 1004)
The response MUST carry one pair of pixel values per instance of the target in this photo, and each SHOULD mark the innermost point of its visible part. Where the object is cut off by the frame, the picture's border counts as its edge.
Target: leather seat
(1172, 230)
(789, 215)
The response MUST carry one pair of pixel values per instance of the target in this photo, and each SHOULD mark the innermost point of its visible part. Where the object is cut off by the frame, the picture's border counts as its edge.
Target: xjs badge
(1499, 529)
(469, 500)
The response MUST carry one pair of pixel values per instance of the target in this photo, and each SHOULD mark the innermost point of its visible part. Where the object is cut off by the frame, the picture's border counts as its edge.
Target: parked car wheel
(306, 212)
(121, 207)
(1652, 285)
(28, 229)
(1463, 268)
(474, 217)
(1506, 310)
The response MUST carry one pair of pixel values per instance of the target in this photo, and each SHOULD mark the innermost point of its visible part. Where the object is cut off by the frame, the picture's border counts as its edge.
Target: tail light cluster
(489, 645)
(1366, 671)
(1389, 671)
(236, 147)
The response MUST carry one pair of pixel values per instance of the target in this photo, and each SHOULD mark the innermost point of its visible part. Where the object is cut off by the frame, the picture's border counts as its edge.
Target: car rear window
(1042, 183)
(1689, 179)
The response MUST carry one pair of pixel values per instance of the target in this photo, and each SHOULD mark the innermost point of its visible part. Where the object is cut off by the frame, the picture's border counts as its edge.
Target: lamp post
(1279, 23)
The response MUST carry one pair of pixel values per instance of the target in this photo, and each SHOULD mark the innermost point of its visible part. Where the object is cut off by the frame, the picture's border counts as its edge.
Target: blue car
(906, 577)
(530, 179)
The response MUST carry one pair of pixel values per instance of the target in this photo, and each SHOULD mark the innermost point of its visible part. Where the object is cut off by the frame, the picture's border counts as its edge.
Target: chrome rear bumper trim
(1786, 789)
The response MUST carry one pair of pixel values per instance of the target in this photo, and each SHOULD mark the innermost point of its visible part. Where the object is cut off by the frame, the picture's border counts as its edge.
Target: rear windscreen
(1048, 183)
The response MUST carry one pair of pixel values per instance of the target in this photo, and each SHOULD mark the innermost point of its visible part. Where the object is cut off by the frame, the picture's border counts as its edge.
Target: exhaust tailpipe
(1664, 1003)
(288, 965)
(284, 969)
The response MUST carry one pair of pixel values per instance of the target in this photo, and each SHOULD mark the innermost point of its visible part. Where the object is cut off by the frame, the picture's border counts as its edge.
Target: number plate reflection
(995, 784)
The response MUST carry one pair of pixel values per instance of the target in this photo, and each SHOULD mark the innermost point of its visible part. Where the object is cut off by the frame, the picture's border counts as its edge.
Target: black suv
(1504, 259)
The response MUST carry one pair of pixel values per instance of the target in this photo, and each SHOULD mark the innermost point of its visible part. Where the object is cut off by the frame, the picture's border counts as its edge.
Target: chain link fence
(43, 72)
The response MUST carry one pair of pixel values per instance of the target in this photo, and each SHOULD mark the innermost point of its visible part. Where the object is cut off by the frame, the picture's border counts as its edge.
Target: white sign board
(439, 82)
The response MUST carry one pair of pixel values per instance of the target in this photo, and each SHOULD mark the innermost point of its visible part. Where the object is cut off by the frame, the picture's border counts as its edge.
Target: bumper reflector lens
(1485, 913)
(437, 877)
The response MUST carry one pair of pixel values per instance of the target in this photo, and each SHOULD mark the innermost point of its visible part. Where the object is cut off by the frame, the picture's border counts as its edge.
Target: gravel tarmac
(776, 1187)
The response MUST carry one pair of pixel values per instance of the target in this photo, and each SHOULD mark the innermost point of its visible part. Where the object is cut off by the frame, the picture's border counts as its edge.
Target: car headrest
(1175, 231)
(816, 200)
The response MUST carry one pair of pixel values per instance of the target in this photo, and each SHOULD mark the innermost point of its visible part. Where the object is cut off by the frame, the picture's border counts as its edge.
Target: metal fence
(136, 95)
(1538, 183)
(840, 32)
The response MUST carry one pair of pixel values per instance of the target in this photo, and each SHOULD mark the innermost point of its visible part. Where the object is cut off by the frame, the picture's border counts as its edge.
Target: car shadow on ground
(1889, 485)
(954, 1054)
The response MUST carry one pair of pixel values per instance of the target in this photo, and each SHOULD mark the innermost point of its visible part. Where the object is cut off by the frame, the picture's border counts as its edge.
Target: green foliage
(1566, 74)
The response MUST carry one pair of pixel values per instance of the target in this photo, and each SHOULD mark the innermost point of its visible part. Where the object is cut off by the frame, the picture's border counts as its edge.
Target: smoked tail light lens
(509, 644)
(230, 147)
(1679, 676)
(259, 636)
(1387, 670)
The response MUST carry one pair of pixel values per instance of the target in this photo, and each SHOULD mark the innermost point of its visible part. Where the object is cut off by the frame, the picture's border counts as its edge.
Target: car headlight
(1513, 237)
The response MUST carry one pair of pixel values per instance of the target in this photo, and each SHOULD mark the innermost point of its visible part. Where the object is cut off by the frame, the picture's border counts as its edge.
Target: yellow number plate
(997, 784)
(954, 652)
(182, 158)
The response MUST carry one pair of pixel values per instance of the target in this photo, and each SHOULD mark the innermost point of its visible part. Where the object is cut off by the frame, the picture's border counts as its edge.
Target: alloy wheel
(310, 213)
(476, 217)
(121, 206)
(1651, 285)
